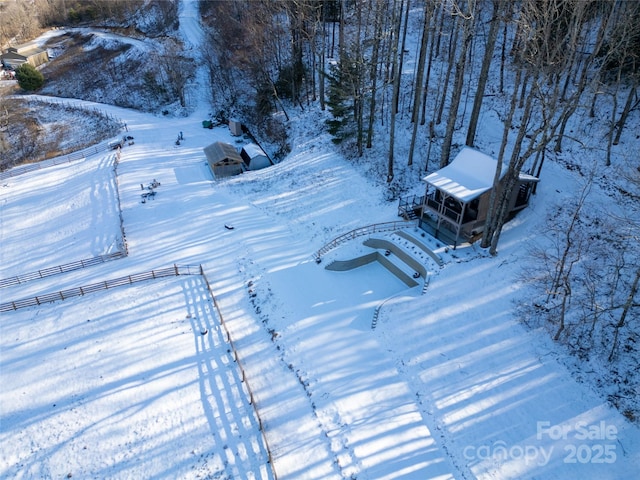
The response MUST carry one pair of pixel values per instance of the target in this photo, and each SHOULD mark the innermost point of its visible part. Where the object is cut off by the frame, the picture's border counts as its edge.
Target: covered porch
(456, 202)
(450, 219)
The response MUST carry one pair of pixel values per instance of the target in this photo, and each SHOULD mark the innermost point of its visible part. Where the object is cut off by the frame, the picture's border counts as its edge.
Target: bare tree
(467, 17)
(435, 39)
(443, 84)
(419, 77)
(177, 70)
(542, 53)
(373, 70)
(489, 226)
(631, 103)
(18, 23)
(396, 88)
(483, 78)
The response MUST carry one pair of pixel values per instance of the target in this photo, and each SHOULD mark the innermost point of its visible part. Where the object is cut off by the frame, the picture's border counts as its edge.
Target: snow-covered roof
(525, 177)
(468, 176)
(253, 150)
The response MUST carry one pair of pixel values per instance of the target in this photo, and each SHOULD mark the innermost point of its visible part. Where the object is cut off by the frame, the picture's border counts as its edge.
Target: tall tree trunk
(623, 315)
(625, 114)
(438, 36)
(323, 55)
(581, 84)
(422, 56)
(396, 105)
(484, 72)
(488, 229)
(612, 127)
(503, 56)
(511, 176)
(396, 90)
(373, 76)
(359, 83)
(423, 117)
(453, 41)
(341, 28)
(468, 24)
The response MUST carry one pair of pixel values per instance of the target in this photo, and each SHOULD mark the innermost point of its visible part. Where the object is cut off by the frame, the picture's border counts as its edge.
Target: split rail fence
(58, 269)
(95, 287)
(236, 356)
(175, 270)
(72, 157)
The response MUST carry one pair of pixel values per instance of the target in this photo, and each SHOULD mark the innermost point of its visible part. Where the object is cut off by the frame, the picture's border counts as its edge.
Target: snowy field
(141, 381)
(447, 386)
(116, 383)
(81, 223)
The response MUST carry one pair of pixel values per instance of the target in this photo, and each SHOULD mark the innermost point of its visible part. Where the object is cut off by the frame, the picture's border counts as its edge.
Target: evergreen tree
(342, 126)
(29, 78)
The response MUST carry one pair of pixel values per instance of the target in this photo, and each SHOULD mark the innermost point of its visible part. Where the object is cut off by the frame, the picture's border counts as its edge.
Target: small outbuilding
(254, 157)
(26, 53)
(224, 160)
(235, 127)
(456, 202)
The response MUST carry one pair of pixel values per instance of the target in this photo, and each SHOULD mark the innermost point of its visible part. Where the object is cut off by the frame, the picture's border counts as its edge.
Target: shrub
(29, 78)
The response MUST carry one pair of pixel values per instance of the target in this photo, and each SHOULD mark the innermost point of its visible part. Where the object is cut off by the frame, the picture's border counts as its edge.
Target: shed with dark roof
(223, 159)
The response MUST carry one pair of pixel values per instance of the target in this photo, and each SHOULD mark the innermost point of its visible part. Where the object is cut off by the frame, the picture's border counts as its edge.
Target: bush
(29, 78)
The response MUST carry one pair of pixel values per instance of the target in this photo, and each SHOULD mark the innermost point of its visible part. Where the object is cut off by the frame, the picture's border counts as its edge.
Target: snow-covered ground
(141, 381)
(447, 385)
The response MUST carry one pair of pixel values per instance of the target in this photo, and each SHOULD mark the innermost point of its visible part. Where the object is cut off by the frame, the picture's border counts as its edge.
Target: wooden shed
(223, 159)
(235, 127)
(254, 157)
(26, 53)
(456, 202)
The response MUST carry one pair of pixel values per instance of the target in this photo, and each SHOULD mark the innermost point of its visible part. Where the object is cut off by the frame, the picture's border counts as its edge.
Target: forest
(538, 64)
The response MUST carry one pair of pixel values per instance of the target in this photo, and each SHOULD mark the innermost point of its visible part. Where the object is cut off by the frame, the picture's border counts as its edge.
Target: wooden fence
(95, 287)
(236, 356)
(358, 232)
(116, 162)
(175, 270)
(72, 157)
(67, 267)
(88, 262)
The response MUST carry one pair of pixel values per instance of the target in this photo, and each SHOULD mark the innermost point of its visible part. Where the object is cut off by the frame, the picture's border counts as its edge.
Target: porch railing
(443, 210)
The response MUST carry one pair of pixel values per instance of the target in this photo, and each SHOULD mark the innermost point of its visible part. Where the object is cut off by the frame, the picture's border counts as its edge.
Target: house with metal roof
(25, 53)
(456, 202)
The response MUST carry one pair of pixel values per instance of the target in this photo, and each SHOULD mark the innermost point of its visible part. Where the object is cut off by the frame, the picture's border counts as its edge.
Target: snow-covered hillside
(160, 379)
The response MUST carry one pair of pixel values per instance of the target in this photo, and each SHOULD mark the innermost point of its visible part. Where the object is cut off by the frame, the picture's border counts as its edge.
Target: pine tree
(342, 126)
(29, 78)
